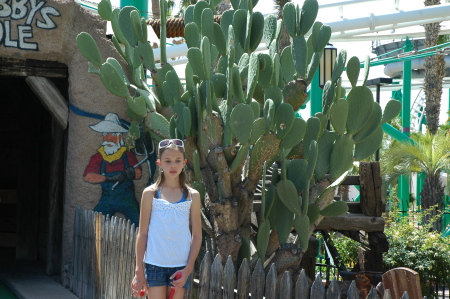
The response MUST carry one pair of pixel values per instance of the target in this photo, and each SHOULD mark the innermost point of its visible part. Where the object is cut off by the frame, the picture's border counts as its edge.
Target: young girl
(164, 242)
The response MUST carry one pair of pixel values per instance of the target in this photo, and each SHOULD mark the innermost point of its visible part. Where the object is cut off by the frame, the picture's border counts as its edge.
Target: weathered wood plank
(302, 286)
(334, 292)
(380, 289)
(370, 254)
(399, 280)
(229, 279)
(370, 188)
(352, 222)
(258, 277)
(56, 195)
(76, 246)
(131, 257)
(387, 294)
(29, 67)
(51, 98)
(205, 274)
(353, 292)
(215, 285)
(286, 285)
(243, 286)
(353, 207)
(352, 180)
(271, 283)
(98, 248)
(372, 294)
(317, 288)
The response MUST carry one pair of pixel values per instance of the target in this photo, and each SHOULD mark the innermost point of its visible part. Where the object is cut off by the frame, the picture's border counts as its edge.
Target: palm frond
(429, 153)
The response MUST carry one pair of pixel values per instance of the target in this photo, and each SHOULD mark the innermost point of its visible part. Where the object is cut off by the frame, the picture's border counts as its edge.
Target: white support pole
(423, 15)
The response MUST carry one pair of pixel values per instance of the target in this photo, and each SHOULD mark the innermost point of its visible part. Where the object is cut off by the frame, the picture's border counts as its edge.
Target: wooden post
(370, 182)
(370, 256)
(51, 98)
(56, 193)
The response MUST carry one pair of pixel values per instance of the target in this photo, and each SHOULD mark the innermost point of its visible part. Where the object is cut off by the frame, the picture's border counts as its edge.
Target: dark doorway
(33, 152)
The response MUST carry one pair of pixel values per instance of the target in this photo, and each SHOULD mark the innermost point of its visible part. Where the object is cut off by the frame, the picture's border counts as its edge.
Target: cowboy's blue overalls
(122, 199)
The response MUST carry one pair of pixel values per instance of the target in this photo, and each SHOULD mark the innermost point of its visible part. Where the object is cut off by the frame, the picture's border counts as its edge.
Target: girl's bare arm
(141, 240)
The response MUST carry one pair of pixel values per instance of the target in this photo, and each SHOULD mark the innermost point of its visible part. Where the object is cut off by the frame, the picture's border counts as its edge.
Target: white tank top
(169, 236)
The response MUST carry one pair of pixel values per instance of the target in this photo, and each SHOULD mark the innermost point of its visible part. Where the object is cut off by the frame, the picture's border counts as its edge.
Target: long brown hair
(182, 177)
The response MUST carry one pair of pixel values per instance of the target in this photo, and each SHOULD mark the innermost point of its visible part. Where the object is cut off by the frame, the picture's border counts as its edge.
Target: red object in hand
(172, 292)
(142, 293)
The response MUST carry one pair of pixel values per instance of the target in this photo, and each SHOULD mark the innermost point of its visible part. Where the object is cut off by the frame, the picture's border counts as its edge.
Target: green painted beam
(419, 186)
(141, 5)
(403, 181)
(396, 134)
(315, 94)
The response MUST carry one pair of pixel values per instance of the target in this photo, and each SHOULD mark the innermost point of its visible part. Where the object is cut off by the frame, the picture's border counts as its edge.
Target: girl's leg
(157, 292)
(179, 293)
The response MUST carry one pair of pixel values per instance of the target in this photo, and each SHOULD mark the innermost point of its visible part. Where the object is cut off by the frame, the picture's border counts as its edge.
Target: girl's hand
(181, 281)
(138, 286)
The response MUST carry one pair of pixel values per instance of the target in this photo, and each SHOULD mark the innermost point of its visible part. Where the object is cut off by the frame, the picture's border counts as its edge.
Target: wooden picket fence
(104, 262)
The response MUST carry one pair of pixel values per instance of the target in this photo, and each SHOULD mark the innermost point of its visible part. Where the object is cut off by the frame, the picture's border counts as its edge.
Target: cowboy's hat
(111, 124)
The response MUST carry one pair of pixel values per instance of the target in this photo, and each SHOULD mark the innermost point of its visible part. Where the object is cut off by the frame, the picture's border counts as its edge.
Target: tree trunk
(434, 73)
(156, 13)
(223, 6)
(285, 39)
(432, 198)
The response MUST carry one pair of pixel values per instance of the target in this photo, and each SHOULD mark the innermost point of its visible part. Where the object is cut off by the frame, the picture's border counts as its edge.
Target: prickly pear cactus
(236, 116)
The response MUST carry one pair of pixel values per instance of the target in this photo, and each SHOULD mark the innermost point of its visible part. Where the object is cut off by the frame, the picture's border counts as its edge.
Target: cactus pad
(336, 208)
(341, 156)
(284, 119)
(288, 194)
(338, 116)
(242, 122)
(295, 135)
(369, 146)
(360, 105)
(371, 125)
(392, 109)
(353, 70)
(301, 224)
(88, 47)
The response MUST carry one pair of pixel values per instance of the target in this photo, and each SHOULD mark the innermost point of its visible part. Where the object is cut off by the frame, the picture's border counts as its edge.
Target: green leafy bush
(347, 248)
(417, 247)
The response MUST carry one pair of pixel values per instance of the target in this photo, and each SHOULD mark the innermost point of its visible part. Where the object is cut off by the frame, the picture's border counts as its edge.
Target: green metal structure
(141, 5)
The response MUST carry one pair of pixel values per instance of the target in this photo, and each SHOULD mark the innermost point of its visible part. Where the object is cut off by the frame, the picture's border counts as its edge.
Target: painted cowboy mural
(114, 167)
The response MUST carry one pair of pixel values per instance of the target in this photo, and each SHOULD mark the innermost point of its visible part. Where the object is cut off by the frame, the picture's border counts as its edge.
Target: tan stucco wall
(86, 92)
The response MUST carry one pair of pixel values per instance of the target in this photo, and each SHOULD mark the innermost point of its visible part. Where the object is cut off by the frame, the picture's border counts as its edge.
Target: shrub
(417, 247)
(347, 248)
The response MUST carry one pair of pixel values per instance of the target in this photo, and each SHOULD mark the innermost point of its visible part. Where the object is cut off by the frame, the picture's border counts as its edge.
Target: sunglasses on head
(166, 142)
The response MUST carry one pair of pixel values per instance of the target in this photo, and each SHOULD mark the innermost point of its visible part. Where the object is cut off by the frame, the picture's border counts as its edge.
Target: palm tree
(434, 73)
(156, 12)
(426, 153)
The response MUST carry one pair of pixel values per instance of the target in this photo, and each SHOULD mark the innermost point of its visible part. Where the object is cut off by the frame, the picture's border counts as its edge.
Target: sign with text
(18, 19)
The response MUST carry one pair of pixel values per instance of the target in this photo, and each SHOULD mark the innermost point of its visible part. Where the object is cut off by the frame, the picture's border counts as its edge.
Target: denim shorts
(160, 276)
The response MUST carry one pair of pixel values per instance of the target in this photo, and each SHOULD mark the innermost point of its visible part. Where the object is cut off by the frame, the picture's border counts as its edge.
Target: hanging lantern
(326, 64)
